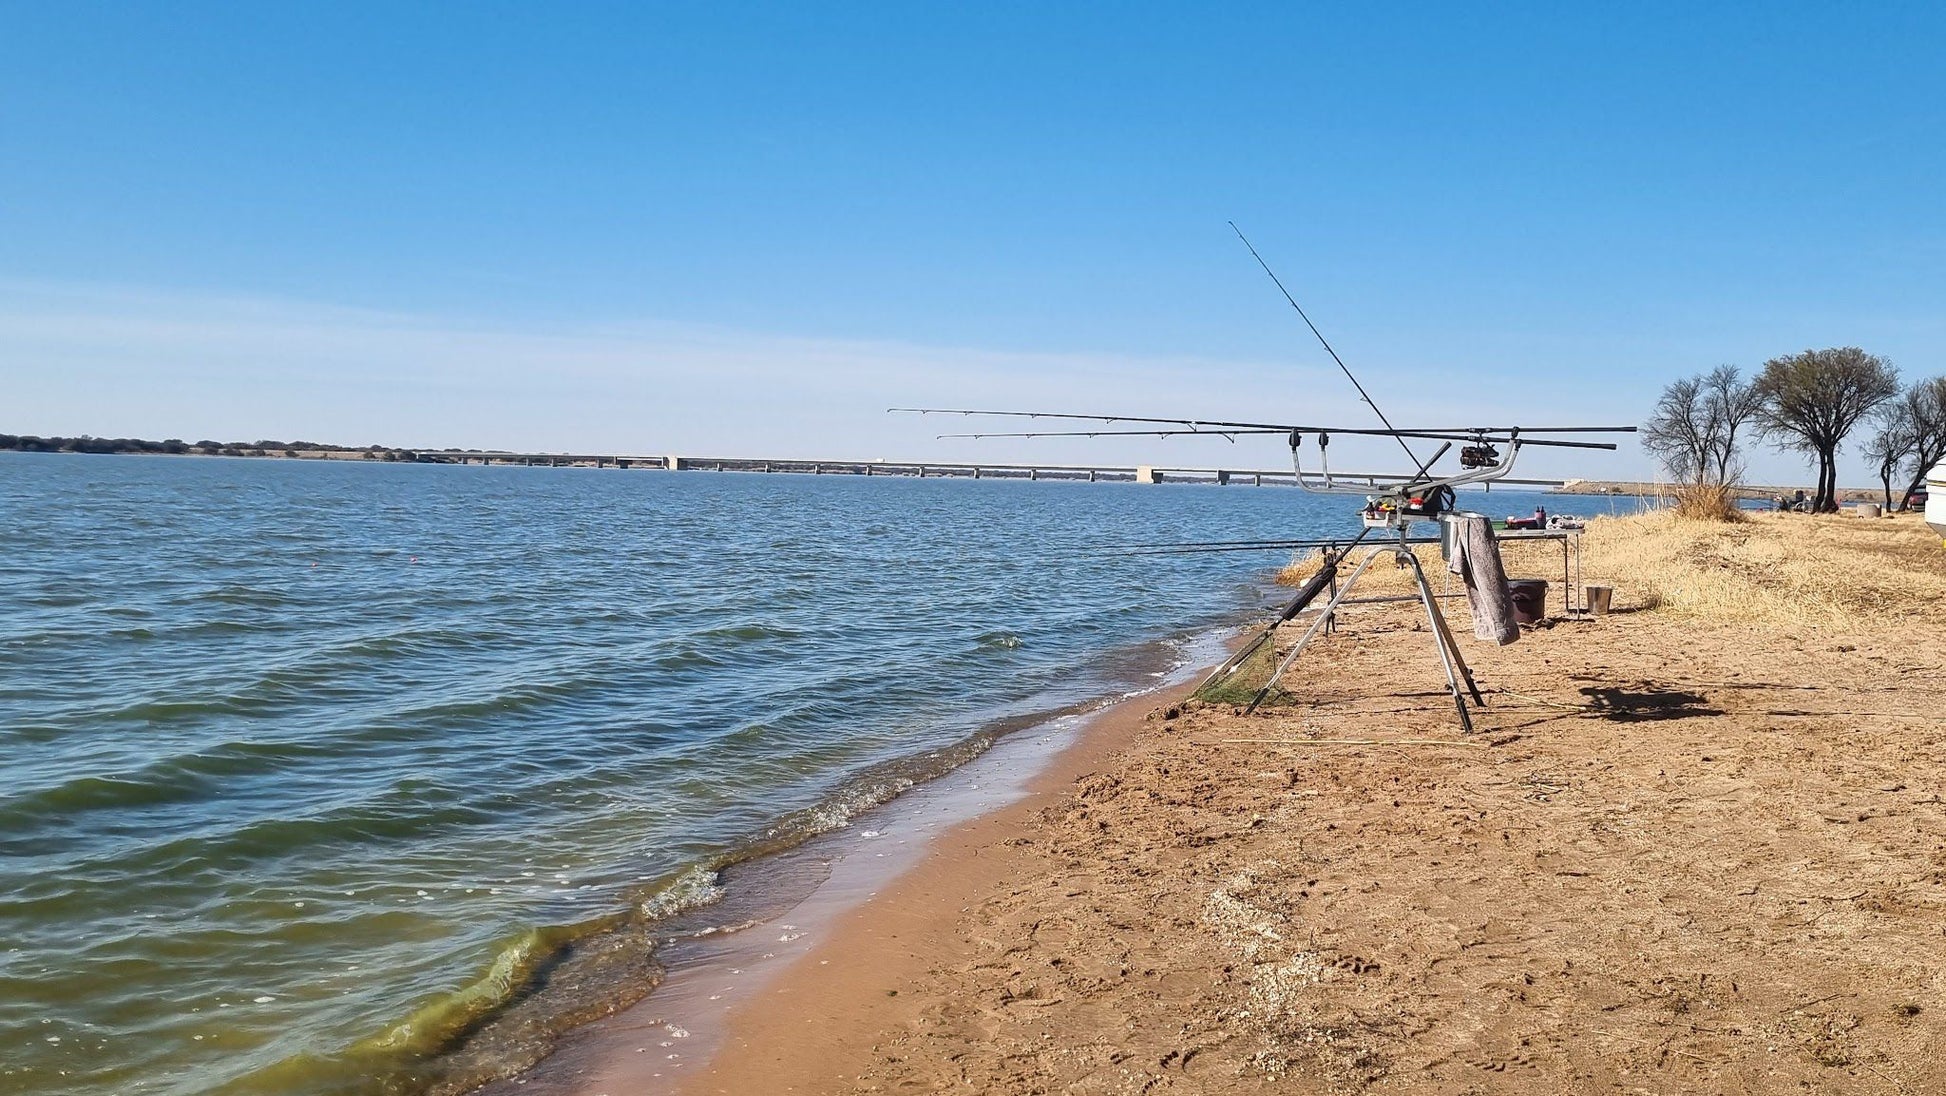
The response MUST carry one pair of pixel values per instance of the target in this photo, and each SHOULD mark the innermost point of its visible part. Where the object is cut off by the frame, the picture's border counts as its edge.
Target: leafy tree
(1693, 430)
(1812, 401)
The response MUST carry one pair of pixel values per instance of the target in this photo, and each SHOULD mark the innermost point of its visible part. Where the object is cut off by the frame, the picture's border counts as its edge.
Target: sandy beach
(1698, 845)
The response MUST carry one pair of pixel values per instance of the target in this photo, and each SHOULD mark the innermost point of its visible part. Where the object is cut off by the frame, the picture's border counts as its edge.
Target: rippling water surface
(309, 765)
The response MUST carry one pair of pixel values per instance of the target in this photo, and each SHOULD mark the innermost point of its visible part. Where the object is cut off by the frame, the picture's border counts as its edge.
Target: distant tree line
(1809, 402)
(28, 443)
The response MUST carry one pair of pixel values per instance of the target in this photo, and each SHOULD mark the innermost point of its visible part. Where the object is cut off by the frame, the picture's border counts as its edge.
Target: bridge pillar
(672, 462)
(1033, 473)
(1091, 475)
(1259, 478)
(976, 473)
(1146, 474)
(1222, 478)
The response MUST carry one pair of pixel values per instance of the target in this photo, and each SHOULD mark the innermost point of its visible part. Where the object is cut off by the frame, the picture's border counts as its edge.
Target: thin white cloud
(117, 361)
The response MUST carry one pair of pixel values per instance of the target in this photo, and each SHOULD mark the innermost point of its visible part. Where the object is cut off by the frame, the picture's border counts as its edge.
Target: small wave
(539, 984)
(748, 633)
(880, 784)
(178, 711)
(838, 812)
(235, 594)
(207, 628)
(1000, 640)
(434, 1024)
(693, 889)
(94, 793)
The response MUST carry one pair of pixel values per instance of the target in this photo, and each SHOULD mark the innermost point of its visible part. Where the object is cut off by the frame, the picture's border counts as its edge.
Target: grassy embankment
(1808, 570)
(1804, 569)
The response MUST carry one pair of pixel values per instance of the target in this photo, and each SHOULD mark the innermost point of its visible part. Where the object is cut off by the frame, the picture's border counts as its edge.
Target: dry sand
(1683, 854)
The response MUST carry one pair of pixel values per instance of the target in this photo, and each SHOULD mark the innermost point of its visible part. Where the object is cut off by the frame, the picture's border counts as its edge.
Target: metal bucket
(1530, 599)
(1599, 599)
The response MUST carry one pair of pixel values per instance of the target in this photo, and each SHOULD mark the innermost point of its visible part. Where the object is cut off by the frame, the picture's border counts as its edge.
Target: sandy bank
(1685, 855)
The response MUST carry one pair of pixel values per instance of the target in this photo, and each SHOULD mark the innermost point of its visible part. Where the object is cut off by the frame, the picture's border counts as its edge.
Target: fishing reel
(1479, 455)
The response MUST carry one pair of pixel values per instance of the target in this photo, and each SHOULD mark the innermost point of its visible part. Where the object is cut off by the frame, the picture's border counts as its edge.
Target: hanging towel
(1476, 559)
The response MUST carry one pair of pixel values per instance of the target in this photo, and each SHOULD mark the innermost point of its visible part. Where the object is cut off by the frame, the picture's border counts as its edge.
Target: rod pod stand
(1450, 660)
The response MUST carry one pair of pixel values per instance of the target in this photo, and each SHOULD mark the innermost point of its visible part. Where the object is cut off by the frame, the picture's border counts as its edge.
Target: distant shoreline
(920, 469)
(1744, 491)
(176, 447)
(308, 450)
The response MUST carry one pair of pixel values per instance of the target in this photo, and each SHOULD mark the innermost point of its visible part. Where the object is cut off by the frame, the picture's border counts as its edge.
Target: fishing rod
(1256, 427)
(1362, 394)
(1266, 546)
(1299, 542)
(1230, 436)
(1497, 435)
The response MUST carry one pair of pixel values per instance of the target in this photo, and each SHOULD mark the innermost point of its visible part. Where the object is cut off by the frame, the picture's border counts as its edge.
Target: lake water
(311, 766)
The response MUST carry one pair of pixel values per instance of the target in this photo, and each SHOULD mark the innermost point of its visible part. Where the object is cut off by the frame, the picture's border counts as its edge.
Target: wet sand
(1680, 856)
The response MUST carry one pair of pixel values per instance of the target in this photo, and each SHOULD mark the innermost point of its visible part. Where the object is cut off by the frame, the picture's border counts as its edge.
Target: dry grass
(1788, 569)
(1708, 502)
(1382, 577)
(1810, 569)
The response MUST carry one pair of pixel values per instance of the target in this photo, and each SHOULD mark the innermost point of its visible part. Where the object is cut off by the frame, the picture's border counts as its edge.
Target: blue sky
(750, 228)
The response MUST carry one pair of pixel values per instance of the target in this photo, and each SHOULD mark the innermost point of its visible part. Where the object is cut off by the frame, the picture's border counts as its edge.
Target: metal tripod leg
(1449, 655)
(1317, 625)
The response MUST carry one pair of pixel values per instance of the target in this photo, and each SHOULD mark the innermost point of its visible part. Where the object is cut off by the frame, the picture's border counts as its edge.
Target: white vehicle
(1936, 499)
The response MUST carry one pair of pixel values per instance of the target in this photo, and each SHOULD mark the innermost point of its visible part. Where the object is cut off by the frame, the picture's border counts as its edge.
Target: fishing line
(1364, 395)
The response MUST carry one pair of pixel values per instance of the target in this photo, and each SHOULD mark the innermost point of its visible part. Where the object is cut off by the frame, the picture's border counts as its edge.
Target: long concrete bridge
(920, 469)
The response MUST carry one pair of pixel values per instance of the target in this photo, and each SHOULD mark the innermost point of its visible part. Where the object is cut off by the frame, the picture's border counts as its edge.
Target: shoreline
(1748, 491)
(825, 1008)
(1668, 862)
(798, 897)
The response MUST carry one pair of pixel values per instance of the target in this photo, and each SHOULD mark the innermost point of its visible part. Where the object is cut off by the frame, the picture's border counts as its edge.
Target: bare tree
(1693, 430)
(1890, 444)
(1924, 404)
(1812, 401)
